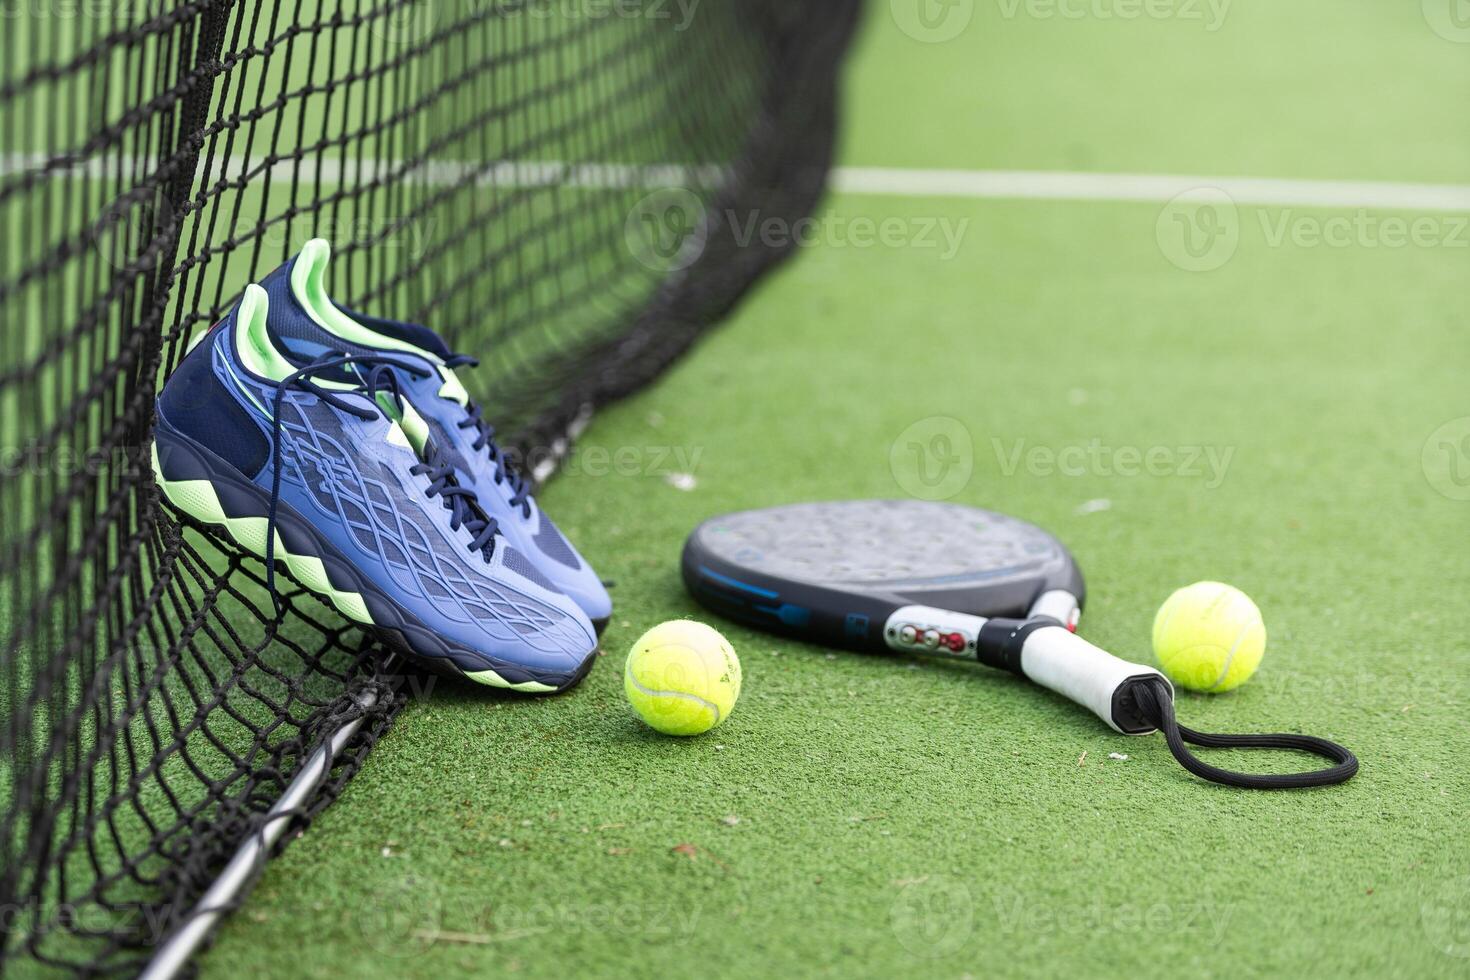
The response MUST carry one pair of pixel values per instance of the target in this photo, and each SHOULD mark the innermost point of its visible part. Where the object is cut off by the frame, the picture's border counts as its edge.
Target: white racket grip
(1057, 658)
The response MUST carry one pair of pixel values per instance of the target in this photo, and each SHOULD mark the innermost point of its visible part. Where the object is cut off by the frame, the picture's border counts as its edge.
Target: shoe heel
(195, 483)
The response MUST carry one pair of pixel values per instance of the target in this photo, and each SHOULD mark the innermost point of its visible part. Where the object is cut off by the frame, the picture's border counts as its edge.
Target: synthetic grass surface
(872, 816)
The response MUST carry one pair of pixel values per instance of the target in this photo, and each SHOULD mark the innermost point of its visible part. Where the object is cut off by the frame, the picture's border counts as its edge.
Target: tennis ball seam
(651, 692)
(1230, 656)
(1212, 605)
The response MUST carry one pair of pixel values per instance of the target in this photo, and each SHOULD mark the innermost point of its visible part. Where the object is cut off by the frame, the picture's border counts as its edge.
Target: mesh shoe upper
(304, 323)
(353, 479)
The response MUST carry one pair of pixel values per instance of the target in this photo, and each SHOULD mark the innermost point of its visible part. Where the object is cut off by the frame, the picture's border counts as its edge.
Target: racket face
(860, 559)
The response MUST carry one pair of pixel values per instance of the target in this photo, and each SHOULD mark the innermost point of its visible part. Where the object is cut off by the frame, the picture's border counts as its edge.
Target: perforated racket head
(824, 567)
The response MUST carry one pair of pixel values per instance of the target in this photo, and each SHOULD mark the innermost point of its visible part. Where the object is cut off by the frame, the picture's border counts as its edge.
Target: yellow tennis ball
(1209, 636)
(682, 677)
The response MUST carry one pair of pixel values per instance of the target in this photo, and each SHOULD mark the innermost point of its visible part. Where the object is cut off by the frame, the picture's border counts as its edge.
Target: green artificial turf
(878, 816)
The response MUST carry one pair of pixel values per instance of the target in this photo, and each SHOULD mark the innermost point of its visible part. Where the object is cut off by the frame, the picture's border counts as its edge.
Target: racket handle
(1056, 658)
(1040, 649)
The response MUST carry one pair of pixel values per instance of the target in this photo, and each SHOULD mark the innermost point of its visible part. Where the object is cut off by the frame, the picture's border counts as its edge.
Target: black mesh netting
(549, 184)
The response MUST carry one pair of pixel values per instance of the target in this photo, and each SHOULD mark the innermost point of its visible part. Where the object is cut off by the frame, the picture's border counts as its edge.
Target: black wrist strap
(1156, 703)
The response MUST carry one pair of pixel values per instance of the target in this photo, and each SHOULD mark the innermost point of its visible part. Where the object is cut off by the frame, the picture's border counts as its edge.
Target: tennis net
(545, 183)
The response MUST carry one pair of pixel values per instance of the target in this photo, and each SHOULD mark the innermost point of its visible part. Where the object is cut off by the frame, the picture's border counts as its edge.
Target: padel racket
(954, 581)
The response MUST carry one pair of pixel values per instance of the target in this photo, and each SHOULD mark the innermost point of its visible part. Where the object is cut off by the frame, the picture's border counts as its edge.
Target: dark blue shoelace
(485, 442)
(461, 502)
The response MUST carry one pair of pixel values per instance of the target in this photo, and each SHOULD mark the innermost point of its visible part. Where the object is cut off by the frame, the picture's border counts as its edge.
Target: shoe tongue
(265, 354)
(253, 338)
(302, 350)
(323, 321)
(297, 332)
(417, 431)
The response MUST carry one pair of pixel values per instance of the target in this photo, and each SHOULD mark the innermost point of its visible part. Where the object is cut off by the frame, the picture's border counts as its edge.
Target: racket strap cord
(1156, 703)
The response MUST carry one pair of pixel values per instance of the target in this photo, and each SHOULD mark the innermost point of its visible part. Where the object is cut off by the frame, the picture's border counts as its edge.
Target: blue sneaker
(323, 467)
(305, 324)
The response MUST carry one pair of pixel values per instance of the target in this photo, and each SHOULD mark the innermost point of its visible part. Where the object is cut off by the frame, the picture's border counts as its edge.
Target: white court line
(1153, 188)
(977, 184)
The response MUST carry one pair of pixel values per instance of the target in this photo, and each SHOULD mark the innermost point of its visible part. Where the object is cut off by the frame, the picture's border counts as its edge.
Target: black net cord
(1156, 703)
(780, 172)
(476, 168)
(165, 220)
